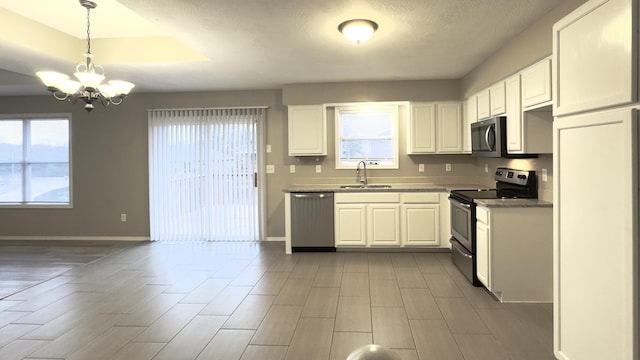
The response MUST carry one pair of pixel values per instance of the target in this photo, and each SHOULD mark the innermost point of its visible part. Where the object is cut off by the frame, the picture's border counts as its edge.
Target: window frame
(393, 108)
(35, 117)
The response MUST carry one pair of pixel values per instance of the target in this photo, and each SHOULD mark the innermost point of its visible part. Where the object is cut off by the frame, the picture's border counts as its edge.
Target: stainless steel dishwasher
(312, 222)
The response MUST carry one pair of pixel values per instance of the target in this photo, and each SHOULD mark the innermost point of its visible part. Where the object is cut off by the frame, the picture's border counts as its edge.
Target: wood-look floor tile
(382, 272)
(327, 277)
(73, 302)
(321, 302)
(354, 284)
(107, 344)
(480, 347)
(250, 313)
(311, 339)
(409, 277)
(186, 282)
(283, 263)
(441, 285)
(151, 311)
(278, 325)
(354, 314)
(206, 291)
(391, 328)
(429, 263)
(226, 345)
(78, 337)
(385, 292)
(420, 304)
(294, 292)
(20, 349)
(192, 339)
(344, 343)
(44, 299)
(127, 302)
(434, 341)
(138, 351)
(6, 304)
(41, 288)
(406, 354)
(226, 302)
(478, 297)
(356, 262)
(270, 283)
(249, 276)
(403, 260)
(304, 270)
(460, 316)
(169, 324)
(8, 317)
(264, 352)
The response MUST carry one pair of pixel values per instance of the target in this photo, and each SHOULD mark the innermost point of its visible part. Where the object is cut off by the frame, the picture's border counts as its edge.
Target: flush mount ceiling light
(89, 87)
(358, 30)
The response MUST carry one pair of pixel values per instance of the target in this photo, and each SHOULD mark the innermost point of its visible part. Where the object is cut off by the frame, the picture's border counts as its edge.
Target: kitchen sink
(374, 186)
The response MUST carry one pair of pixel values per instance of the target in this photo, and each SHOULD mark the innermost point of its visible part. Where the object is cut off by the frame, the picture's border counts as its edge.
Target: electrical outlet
(268, 148)
(447, 167)
(420, 167)
(486, 168)
(318, 168)
(271, 169)
(123, 217)
(544, 175)
(292, 169)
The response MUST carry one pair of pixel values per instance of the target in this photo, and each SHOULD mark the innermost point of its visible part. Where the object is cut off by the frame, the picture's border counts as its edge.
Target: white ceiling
(192, 45)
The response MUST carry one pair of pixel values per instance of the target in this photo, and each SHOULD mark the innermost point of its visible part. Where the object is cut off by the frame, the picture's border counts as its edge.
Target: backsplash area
(545, 161)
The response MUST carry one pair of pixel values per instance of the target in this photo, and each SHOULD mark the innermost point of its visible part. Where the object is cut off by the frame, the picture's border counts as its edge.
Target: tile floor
(251, 301)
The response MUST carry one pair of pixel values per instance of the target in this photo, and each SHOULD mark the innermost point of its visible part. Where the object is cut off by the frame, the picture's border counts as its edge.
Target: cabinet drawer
(482, 215)
(420, 198)
(367, 197)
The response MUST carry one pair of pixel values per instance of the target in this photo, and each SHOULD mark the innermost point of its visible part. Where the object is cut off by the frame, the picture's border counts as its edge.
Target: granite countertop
(493, 203)
(415, 187)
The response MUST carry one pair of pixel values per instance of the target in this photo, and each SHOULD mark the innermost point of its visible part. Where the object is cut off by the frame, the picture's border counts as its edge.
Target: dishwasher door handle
(309, 196)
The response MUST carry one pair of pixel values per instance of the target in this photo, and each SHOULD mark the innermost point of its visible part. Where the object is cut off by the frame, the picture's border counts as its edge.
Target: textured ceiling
(259, 44)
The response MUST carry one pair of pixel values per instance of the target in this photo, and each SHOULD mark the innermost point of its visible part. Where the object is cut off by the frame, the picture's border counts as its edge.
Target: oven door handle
(464, 252)
(458, 202)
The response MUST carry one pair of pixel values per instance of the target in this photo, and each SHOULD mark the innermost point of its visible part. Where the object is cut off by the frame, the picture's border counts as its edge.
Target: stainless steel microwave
(489, 137)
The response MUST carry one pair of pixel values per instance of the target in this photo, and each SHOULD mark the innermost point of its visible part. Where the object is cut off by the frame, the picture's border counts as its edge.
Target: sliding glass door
(203, 167)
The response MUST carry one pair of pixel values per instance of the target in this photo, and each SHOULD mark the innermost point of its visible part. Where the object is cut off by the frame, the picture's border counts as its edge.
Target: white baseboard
(275, 238)
(77, 238)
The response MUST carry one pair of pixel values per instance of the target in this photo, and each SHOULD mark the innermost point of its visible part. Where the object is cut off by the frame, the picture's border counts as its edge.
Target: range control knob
(523, 177)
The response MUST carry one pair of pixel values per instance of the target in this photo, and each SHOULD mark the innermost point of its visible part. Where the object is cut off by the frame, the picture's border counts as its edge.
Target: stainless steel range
(510, 183)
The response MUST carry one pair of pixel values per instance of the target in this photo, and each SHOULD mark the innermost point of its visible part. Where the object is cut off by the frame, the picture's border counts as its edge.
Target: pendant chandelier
(89, 86)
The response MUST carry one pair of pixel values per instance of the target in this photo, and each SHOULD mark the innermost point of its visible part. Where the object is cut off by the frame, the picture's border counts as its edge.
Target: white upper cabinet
(536, 84)
(470, 116)
(307, 126)
(484, 104)
(421, 133)
(497, 99)
(514, 115)
(594, 57)
(435, 128)
(449, 128)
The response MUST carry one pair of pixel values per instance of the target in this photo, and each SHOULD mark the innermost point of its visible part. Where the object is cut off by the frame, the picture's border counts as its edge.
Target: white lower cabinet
(514, 252)
(387, 219)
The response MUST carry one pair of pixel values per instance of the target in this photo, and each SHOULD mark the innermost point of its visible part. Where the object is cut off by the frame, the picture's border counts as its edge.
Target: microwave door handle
(486, 138)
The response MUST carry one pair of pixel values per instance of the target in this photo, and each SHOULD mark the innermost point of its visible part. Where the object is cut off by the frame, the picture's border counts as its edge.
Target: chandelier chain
(88, 32)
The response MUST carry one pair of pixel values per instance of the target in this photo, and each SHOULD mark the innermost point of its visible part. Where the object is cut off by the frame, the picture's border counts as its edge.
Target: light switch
(268, 148)
(271, 169)
(544, 175)
(318, 168)
(292, 169)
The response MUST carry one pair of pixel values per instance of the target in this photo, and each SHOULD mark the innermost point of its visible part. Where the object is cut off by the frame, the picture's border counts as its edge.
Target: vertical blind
(202, 164)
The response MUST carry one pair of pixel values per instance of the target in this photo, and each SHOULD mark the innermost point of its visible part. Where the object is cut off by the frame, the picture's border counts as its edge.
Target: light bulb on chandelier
(88, 87)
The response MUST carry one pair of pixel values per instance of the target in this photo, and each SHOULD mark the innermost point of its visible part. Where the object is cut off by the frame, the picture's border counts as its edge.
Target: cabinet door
(594, 56)
(421, 132)
(420, 224)
(470, 116)
(536, 84)
(514, 114)
(596, 237)
(483, 254)
(449, 128)
(384, 224)
(350, 223)
(484, 106)
(497, 99)
(307, 130)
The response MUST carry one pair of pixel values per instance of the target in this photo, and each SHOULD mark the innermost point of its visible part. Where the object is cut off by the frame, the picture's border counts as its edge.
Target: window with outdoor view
(367, 133)
(35, 161)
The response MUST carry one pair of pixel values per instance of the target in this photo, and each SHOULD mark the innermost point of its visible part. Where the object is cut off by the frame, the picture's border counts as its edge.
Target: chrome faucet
(362, 177)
